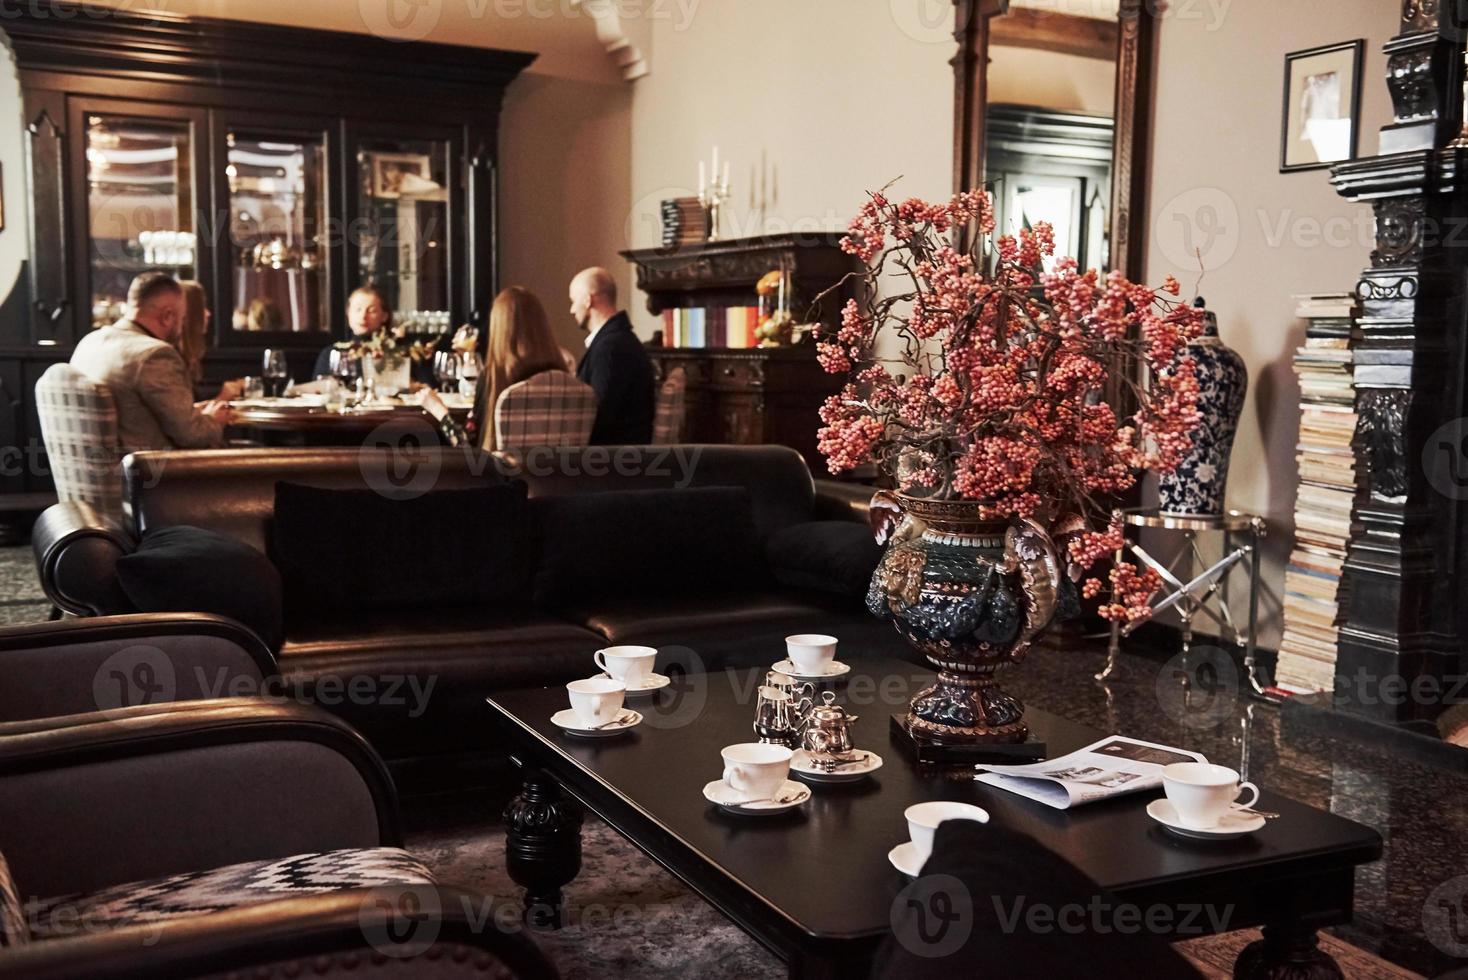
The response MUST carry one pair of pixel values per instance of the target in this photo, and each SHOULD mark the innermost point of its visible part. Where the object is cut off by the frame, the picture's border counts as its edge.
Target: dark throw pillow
(836, 557)
(645, 542)
(189, 569)
(359, 550)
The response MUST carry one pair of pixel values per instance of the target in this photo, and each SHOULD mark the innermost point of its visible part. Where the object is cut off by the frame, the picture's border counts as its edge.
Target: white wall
(1265, 236)
(15, 238)
(814, 101)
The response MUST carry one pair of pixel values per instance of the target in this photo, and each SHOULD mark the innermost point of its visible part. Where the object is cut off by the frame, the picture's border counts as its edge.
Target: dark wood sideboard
(749, 396)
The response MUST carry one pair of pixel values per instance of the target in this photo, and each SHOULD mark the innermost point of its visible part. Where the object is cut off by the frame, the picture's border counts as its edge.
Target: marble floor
(1202, 705)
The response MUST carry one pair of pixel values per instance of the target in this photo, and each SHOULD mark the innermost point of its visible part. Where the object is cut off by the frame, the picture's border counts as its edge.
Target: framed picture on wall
(394, 175)
(1322, 106)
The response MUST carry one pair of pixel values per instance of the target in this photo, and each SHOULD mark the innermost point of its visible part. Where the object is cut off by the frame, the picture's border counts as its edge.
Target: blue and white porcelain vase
(1197, 485)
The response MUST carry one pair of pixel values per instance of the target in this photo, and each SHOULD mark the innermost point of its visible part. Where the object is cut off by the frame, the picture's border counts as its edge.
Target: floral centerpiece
(977, 383)
(386, 358)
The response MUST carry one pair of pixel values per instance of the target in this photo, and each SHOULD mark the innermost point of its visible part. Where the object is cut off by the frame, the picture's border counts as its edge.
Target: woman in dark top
(367, 313)
(521, 346)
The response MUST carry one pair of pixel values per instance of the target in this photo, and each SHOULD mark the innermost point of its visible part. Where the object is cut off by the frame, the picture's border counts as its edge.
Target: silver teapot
(828, 728)
(781, 711)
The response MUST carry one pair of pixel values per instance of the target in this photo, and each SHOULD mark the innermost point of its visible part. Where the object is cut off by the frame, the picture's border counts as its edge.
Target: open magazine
(1111, 767)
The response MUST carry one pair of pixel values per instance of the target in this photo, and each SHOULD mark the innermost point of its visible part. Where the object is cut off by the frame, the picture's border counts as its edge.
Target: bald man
(615, 365)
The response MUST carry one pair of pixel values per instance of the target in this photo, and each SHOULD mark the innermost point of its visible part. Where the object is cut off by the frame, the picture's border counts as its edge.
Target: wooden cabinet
(279, 167)
(751, 397)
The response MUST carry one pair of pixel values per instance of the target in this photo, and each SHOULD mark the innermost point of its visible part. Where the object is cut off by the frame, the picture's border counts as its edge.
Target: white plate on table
(833, 670)
(300, 401)
(806, 768)
(727, 798)
(570, 722)
(1234, 823)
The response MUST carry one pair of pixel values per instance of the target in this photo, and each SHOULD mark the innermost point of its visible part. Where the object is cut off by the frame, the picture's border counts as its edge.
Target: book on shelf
(712, 326)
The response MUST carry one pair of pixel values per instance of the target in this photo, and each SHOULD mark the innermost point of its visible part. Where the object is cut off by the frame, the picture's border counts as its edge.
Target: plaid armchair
(550, 409)
(79, 427)
(667, 420)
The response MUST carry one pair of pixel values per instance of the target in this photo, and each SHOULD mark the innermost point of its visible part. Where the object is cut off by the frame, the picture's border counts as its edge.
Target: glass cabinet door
(140, 205)
(404, 201)
(278, 257)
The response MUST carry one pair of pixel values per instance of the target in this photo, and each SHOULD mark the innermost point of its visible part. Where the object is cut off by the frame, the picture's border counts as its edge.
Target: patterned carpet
(627, 917)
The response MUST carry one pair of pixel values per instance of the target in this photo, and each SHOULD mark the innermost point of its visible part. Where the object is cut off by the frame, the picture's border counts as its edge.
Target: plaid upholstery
(79, 428)
(13, 930)
(202, 892)
(667, 420)
(550, 409)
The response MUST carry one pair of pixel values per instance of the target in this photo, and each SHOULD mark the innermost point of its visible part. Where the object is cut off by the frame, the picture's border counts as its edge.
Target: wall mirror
(1052, 114)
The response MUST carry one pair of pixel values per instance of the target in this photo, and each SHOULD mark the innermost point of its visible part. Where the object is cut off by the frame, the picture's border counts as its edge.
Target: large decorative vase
(971, 596)
(389, 376)
(1197, 485)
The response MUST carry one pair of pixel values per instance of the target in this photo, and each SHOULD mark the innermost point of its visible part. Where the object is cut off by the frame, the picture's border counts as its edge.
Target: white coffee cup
(596, 700)
(630, 665)
(756, 770)
(923, 820)
(1202, 793)
(812, 653)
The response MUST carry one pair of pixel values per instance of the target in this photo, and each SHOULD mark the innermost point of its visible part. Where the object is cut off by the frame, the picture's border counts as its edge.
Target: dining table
(309, 420)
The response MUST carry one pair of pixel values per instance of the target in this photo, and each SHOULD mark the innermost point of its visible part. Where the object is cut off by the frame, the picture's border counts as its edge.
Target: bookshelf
(741, 394)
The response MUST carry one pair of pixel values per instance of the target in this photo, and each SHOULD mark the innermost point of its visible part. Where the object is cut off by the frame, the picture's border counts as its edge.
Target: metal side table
(1202, 593)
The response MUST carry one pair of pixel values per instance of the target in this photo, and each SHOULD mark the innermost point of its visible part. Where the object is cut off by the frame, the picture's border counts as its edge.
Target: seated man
(137, 361)
(615, 365)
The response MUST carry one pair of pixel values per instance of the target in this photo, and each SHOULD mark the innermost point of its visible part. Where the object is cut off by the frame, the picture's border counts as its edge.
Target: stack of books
(713, 326)
(685, 222)
(1314, 601)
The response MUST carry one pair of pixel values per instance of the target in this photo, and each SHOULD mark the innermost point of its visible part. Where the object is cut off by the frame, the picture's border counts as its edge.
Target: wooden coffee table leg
(542, 845)
(1287, 952)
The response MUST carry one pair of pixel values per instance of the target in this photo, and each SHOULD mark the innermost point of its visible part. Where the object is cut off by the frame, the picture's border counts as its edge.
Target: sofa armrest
(428, 930)
(88, 801)
(838, 501)
(82, 665)
(77, 548)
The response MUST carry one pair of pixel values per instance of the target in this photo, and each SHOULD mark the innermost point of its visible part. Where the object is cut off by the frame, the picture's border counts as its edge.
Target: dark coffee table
(815, 885)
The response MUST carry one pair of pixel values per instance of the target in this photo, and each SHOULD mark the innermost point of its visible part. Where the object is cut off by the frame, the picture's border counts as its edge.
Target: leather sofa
(422, 674)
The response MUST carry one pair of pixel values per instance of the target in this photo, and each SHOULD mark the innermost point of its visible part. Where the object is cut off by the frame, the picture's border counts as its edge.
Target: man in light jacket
(137, 361)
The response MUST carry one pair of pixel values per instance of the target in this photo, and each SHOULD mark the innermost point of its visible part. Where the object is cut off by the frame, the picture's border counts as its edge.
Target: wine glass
(446, 369)
(276, 372)
(346, 369)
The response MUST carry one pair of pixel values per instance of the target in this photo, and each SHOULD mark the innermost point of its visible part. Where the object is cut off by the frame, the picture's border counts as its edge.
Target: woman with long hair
(193, 338)
(520, 346)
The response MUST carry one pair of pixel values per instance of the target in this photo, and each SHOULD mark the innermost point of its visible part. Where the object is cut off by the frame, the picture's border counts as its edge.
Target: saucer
(570, 722)
(805, 767)
(1235, 823)
(722, 794)
(904, 858)
(654, 682)
(833, 670)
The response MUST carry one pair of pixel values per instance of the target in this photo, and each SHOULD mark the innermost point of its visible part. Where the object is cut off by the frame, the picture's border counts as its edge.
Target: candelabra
(713, 195)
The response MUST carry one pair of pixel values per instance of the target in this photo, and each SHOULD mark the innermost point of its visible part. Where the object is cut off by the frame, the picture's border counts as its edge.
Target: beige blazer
(150, 384)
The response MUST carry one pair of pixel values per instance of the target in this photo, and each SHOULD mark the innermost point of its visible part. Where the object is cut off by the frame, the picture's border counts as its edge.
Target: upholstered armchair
(222, 837)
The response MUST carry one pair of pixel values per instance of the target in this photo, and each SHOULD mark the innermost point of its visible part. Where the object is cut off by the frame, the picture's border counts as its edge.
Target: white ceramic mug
(923, 820)
(1202, 793)
(812, 653)
(756, 770)
(630, 665)
(596, 700)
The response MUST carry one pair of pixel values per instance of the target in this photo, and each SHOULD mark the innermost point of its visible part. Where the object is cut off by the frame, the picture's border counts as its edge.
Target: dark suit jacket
(619, 371)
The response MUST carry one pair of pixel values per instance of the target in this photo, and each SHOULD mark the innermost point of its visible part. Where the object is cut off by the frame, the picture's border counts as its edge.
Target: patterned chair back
(79, 428)
(551, 409)
(667, 422)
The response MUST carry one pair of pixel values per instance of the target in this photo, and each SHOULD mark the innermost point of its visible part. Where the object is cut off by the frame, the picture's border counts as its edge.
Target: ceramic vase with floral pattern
(1197, 485)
